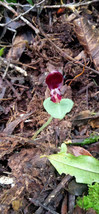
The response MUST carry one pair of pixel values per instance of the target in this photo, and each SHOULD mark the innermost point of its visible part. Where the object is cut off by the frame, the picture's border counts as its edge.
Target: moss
(91, 200)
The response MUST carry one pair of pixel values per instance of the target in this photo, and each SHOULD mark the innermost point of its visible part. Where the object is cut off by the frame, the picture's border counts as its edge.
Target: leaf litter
(28, 58)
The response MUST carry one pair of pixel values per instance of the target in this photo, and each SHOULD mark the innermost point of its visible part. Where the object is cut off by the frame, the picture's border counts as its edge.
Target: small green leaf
(84, 168)
(2, 51)
(30, 2)
(58, 110)
(63, 148)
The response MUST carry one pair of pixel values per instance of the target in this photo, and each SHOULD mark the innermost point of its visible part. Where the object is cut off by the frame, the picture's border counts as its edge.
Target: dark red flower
(54, 81)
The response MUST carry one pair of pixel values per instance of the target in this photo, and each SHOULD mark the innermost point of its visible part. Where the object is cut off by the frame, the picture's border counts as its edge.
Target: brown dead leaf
(18, 47)
(84, 117)
(19, 44)
(12, 125)
(89, 38)
(81, 118)
(77, 150)
(94, 123)
(16, 204)
(81, 55)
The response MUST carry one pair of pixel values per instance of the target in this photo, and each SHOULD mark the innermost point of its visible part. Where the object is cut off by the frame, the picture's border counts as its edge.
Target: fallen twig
(71, 6)
(86, 87)
(54, 193)
(37, 203)
(6, 5)
(20, 70)
(17, 95)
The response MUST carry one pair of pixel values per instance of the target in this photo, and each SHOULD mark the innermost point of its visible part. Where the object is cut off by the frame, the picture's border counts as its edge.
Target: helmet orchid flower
(54, 81)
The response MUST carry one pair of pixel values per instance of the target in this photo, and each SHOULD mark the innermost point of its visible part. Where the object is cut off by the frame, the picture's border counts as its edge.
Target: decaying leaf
(11, 126)
(18, 47)
(19, 44)
(77, 150)
(89, 39)
(16, 204)
(85, 117)
(94, 123)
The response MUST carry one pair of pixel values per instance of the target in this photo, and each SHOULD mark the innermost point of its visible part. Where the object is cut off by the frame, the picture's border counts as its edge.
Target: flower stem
(42, 127)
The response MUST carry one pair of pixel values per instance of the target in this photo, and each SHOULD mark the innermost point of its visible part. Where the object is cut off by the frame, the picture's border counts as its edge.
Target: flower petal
(54, 80)
(55, 95)
(56, 99)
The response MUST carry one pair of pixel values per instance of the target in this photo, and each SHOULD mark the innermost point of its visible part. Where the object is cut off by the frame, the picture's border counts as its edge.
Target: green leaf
(58, 110)
(84, 168)
(2, 51)
(30, 2)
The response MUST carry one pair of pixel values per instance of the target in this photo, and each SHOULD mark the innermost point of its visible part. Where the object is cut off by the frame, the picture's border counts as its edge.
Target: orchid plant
(55, 105)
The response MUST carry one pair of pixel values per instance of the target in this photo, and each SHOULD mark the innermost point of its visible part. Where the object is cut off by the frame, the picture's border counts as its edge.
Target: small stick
(6, 70)
(9, 98)
(84, 89)
(71, 5)
(37, 203)
(54, 193)
(20, 70)
(13, 89)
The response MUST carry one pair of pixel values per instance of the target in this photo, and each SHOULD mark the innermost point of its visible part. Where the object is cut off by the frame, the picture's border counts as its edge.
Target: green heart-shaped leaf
(58, 110)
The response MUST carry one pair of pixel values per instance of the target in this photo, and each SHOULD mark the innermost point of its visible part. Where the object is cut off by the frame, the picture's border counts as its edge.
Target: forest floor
(29, 56)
